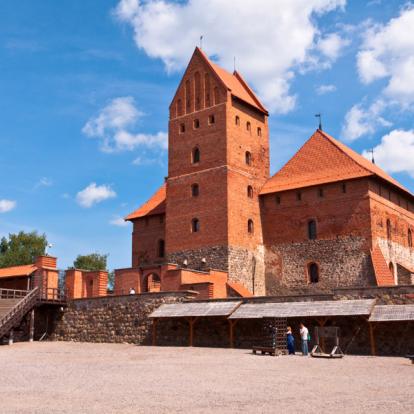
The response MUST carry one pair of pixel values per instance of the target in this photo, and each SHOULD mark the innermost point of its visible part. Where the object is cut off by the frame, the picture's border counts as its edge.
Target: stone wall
(112, 318)
(341, 262)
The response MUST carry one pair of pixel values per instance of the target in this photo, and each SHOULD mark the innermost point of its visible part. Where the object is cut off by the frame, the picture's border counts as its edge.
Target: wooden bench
(411, 357)
(264, 350)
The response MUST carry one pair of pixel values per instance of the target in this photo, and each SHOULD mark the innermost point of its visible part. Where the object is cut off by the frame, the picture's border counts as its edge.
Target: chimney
(46, 262)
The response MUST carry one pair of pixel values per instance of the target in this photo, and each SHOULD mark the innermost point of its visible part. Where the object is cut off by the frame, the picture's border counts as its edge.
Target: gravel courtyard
(59, 377)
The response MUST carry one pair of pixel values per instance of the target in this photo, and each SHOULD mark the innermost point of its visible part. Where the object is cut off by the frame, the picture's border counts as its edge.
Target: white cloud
(323, 89)
(395, 153)
(112, 126)
(7, 205)
(360, 121)
(388, 52)
(270, 41)
(119, 221)
(94, 194)
(43, 182)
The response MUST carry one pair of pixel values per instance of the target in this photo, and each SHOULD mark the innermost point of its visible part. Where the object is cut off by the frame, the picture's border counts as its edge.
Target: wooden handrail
(12, 293)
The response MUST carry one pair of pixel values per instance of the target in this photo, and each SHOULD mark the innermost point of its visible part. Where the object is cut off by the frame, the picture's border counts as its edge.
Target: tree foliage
(22, 248)
(94, 261)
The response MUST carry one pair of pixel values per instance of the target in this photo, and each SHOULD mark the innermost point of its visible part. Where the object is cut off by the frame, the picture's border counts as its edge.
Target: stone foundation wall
(341, 262)
(112, 319)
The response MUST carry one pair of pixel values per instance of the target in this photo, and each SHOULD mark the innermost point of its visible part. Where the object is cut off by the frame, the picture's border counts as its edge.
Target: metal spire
(320, 120)
(372, 155)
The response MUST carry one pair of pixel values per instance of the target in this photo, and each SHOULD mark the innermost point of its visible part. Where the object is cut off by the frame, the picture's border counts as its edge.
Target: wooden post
(232, 324)
(322, 323)
(192, 321)
(372, 338)
(154, 331)
(31, 326)
(11, 337)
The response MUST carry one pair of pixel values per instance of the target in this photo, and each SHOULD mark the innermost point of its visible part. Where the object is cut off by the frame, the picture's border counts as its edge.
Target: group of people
(304, 336)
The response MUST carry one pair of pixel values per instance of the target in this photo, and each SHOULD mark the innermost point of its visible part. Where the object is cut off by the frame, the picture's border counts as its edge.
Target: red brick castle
(222, 226)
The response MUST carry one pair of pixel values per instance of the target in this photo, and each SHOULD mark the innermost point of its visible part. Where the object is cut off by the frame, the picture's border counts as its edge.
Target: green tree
(94, 261)
(22, 248)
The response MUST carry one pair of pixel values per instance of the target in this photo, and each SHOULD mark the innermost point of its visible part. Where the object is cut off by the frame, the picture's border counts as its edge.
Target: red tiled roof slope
(17, 271)
(155, 205)
(323, 159)
(240, 289)
(382, 272)
(235, 84)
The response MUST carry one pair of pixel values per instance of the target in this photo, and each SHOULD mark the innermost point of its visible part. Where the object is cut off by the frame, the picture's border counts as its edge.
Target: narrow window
(344, 188)
(197, 87)
(248, 126)
(207, 90)
(391, 267)
(298, 196)
(195, 190)
(313, 272)
(196, 123)
(237, 120)
(248, 158)
(211, 120)
(259, 132)
(196, 155)
(278, 199)
(182, 128)
(161, 248)
(320, 192)
(161, 219)
(388, 229)
(410, 238)
(312, 230)
(195, 225)
(250, 226)
(187, 97)
(249, 191)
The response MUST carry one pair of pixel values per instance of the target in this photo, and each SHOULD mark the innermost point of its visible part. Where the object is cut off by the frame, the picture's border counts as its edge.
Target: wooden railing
(53, 294)
(19, 310)
(12, 293)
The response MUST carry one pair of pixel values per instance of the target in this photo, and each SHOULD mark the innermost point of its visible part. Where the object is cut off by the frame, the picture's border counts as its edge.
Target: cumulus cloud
(395, 153)
(360, 121)
(7, 205)
(113, 127)
(119, 221)
(387, 52)
(94, 194)
(324, 89)
(270, 43)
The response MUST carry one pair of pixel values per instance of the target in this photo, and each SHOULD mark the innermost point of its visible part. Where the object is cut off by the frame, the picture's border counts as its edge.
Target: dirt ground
(61, 377)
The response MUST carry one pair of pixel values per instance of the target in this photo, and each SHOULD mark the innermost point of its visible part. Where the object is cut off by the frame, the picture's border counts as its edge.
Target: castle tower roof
(323, 159)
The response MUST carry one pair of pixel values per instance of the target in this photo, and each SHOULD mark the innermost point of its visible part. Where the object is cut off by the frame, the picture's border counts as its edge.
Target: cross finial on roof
(372, 155)
(320, 120)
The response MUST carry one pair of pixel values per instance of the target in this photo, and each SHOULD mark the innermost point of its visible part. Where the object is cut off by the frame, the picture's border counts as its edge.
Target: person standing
(304, 335)
(290, 341)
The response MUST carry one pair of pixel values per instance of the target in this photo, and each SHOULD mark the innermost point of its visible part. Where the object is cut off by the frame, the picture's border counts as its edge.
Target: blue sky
(85, 88)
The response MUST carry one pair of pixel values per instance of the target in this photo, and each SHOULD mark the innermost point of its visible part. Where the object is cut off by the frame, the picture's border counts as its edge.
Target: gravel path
(59, 377)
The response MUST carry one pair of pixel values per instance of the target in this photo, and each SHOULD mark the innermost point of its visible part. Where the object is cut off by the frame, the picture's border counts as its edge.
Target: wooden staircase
(14, 306)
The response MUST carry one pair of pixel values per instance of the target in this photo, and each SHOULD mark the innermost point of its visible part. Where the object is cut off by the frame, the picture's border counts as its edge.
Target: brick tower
(218, 162)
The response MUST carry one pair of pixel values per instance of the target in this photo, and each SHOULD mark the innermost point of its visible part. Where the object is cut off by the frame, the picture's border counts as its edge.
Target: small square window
(196, 123)
(182, 128)
(211, 119)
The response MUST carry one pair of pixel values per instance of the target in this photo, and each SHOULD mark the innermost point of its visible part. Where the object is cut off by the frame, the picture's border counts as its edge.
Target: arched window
(195, 157)
(187, 96)
(250, 226)
(197, 87)
(249, 191)
(161, 248)
(207, 89)
(259, 132)
(195, 190)
(391, 267)
(248, 126)
(237, 120)
(152, 283)
(196, 123)
(195, 225)
(313, 272)
(388, 229)
(410, 238)
(312, 230)
(248, 158)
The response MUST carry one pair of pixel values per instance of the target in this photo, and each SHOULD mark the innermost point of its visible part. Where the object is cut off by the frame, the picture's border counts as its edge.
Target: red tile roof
(17, 271)
(323, 159)
(234, 83)
(240, 289)
(383, 274)
(155, 205)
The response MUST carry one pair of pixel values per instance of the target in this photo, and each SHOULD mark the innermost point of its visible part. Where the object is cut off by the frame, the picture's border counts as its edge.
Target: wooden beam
(372, 338)
(31, 326)
(154, 331)
(232, 324)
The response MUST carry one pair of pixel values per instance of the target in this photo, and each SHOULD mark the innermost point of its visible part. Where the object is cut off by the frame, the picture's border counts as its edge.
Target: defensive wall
(119, 319)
